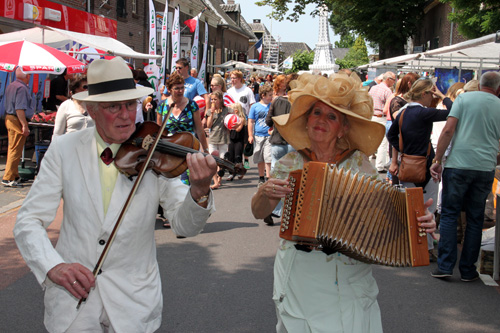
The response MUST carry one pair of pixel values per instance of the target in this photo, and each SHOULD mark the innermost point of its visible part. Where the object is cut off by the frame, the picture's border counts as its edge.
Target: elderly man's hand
(76, 278)
(436, 170)
(201, 170)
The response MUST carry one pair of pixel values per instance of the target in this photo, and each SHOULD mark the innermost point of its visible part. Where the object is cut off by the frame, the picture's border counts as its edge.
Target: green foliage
(301, 61)
(357, 55)
(387, 23)
(346, 41)
(475, 18)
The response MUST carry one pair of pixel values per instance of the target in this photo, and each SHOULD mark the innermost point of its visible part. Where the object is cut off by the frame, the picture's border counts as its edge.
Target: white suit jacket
(129, 284)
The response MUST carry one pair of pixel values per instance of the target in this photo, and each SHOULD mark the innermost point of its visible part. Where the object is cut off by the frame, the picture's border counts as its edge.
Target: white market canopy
(479, 53)
(59, 38)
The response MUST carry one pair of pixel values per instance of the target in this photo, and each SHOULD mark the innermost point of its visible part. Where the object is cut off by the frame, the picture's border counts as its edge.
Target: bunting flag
(176, 38)
(288, 63)
(194, 49)
(164, 35)
(152, 31)
(258, 47)
(203, 66)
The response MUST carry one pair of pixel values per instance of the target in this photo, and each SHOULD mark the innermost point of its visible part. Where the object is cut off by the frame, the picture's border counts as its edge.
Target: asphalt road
(221, 281)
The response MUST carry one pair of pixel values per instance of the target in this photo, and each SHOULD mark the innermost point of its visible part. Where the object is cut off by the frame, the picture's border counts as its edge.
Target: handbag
(413, 168)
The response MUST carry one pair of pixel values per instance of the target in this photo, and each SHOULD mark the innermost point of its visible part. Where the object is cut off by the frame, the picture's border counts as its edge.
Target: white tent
(479, 53)
(233, 64)
(58, 38)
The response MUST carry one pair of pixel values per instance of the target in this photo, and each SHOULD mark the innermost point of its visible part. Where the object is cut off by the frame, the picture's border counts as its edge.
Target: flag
(258, 47)
(192, 23)
(176, 38)
(194, 48)
(203, 66)
(152, 31)
(288, 63)
(164, 35)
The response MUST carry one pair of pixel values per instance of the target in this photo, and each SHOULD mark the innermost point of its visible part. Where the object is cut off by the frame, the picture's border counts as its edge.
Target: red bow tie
(107, 156)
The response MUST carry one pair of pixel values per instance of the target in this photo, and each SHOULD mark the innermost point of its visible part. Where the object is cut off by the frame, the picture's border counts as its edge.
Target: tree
(301, 61)
(357, 55)
(475, 18)
(388, 23)
(346, 41)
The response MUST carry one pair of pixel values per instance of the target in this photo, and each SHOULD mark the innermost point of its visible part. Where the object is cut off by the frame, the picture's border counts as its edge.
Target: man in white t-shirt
(240, 93)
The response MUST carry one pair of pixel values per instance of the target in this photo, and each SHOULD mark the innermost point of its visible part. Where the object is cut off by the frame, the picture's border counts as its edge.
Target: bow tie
(107, 156)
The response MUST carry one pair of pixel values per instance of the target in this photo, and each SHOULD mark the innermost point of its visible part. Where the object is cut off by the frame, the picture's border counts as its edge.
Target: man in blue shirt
(17, 105)
(193, 87)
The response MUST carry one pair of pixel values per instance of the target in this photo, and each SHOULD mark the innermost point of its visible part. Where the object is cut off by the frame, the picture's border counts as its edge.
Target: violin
(169, 156)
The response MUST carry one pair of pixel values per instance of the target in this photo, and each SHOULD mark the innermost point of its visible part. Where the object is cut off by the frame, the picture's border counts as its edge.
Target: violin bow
(137, 182)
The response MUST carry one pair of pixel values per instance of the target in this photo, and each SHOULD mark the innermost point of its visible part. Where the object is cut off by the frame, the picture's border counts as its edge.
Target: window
(134, 6)
(121, 8)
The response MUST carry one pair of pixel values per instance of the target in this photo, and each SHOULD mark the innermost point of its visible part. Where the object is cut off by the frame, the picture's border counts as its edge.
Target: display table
(43, 134)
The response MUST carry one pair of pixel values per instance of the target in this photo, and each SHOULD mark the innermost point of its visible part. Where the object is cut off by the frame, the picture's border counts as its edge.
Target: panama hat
(343, 93)
(110, 81)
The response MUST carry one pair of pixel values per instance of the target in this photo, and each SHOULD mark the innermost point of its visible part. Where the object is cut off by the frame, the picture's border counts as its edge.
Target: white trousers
(383, 150)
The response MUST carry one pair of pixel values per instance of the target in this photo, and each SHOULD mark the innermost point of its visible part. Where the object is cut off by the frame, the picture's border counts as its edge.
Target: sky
(305, 30)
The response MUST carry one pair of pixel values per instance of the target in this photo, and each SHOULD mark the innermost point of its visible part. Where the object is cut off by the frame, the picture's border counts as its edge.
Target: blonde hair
(452, 92)
(220, 81)
(418, 89)
(238, 74)
(238, 110)
(220, 96)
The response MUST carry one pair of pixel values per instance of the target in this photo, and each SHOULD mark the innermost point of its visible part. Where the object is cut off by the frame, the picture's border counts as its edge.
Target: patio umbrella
(36, 58)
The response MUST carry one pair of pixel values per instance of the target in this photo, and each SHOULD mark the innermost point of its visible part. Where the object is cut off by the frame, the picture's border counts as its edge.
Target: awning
(479, 53)
(59, 38)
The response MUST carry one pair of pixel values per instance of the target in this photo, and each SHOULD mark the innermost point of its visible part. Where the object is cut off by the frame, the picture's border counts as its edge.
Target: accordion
(353, 214)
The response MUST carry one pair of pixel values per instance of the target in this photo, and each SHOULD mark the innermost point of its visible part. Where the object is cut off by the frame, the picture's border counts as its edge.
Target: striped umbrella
(36, 58)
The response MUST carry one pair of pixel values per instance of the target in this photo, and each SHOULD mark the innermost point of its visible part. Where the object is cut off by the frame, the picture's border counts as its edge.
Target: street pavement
(221, 280)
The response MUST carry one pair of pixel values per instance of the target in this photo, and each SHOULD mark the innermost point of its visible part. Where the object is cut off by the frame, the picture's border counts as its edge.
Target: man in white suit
(126, 296)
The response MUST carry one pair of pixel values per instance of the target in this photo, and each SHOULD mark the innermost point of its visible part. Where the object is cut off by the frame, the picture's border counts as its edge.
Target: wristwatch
(202, 200)
(436, 161)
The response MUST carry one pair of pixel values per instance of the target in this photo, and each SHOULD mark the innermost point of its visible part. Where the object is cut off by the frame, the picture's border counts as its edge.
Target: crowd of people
(281, 122)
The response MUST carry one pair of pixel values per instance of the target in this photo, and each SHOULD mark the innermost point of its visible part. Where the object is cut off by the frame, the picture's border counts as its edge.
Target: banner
(194, 49)
(164, 32)
(196, 41)
(176, 39)
(152, 31)
(202, 74)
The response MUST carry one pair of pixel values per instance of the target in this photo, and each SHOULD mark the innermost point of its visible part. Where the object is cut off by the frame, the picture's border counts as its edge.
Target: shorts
(221, 147)
(262, 149)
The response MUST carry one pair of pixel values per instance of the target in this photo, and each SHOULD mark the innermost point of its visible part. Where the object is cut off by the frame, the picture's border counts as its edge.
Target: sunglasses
(178, 67)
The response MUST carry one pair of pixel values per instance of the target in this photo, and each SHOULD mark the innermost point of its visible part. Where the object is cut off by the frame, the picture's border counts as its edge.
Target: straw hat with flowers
(341, 92)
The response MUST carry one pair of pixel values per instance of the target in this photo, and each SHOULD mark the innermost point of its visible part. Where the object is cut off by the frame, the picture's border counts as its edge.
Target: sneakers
(230, 178)
(11, 183)
(246, 165)
(439, 275)
(470, 279)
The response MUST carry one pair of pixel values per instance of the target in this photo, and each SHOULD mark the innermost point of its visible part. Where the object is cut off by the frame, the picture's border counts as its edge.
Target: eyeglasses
(116, 107)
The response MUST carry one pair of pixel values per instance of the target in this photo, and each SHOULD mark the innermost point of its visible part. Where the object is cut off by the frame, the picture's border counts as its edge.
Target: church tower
(323, 54)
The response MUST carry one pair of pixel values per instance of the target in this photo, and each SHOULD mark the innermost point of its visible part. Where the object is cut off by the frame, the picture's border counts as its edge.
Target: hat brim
(114, 96)
(363, 134)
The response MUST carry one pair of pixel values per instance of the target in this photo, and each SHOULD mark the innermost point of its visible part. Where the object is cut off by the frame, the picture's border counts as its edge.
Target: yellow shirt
(107, 173)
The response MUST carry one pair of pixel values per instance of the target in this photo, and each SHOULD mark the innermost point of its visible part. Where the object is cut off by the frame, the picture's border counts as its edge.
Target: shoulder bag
(413, 168)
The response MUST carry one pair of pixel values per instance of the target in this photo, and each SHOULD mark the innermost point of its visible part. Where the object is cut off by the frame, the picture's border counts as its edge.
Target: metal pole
(496, 273)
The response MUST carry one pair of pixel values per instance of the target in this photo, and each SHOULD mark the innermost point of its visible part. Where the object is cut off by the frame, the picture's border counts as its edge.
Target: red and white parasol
(88, 54)
(36, 58)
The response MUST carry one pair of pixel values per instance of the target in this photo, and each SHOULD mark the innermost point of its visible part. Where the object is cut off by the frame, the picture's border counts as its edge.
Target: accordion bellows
(362, 218)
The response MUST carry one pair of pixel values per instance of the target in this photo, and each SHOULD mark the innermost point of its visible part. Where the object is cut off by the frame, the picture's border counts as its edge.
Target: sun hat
(110, 81)
(343, 93)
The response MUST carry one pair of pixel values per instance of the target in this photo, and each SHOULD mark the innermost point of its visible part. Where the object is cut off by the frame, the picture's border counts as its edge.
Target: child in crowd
(258, 131)
(237, 137)
(219, 134)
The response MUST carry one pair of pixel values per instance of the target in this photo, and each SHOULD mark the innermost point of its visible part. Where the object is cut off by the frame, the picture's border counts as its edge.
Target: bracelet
(436, 161)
